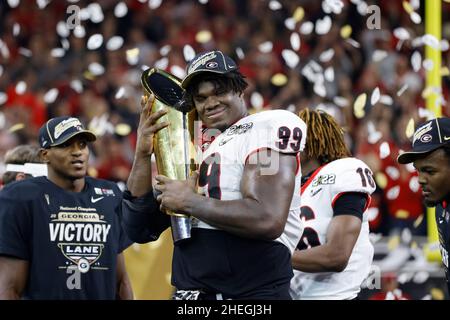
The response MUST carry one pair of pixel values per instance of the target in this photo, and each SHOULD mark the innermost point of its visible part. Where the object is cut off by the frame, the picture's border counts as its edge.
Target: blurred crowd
(295, 54)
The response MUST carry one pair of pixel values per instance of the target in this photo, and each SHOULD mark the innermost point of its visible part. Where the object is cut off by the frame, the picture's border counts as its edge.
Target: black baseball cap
(58, 130)
(211, 61)
(430, 136)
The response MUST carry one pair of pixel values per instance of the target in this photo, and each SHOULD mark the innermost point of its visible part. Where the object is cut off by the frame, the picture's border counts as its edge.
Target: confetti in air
(188, 53)
(257, 100)
(120, 10)
(115, 43)
(51, 95)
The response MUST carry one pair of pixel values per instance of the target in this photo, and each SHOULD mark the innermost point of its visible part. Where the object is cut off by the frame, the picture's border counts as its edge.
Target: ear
(43, 154)
(20, 176)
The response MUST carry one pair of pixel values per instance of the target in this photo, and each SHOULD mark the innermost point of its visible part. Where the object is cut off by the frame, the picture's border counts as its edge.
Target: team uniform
(320, 194)
(219, 262)
(71, 239)
(442, 222)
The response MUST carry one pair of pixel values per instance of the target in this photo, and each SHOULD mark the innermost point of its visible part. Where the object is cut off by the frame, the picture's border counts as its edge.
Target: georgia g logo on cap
(419, 134)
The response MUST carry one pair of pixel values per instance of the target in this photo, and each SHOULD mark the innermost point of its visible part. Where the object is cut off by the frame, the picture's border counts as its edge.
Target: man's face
(218, 108)
(434, 175)
(69, 160)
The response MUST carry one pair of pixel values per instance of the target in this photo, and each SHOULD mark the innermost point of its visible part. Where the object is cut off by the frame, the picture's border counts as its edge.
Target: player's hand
(176, 195)
(148, 126)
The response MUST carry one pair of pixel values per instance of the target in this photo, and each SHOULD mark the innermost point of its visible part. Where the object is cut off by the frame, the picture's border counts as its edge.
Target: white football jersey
(319, 193)
(224, 160)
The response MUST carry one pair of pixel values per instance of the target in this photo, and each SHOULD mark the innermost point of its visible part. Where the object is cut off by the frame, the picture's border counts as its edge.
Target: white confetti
(95, 41)
(414, 185)
(79, 31)
(57, 52)
(425, 113)
(42, 3)
(401, 34)
(164, 51)
(406, 235)
(1, 70)
(120, 93)
(120, 10)
(77, 86)
(319, 89)
(275, 5)
(386, 100)
(51, 95)
(431, 40)
(291, 108)
(257, 100)
(410, 166)
(444, 45)
(295, 41)
(178, 71)
(415, 4)
(393, 172)
(84, 14)
(379, 55)
(203, 1)
(362, 7)
(96, 13)
(162, 63)
(326, 55)
(353, 42)
(405, 277)
(428, 64)
(16, 29)
(415, 17)
(96, 68)
(2, 116)
(416, 61)
(265, 47)
(421, 277)
(188, 53)
(240, 53)
(332, 6)
(154, 4)
(3, 98)
(323, 26)
(341, 102)
(65, 44)
(393, 193)
(21, 87)
(290, 23)
(307, 27)
(372, 213)
(13, 3)
(62, 30)
(375, 96)
(329, 74)
(385, 150)
(402, 90)
(4, 50)
(115, 43)
(25, 52)
(290, 57)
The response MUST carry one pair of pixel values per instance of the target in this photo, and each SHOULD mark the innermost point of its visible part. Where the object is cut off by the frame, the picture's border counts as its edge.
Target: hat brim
(89, 134)
(186, 81)
(411, 156)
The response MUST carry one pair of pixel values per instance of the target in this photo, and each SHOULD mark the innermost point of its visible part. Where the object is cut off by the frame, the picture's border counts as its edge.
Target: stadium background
(58, 60)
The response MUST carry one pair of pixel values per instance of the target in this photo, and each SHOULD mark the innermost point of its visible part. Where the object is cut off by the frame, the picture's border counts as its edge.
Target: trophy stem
(181, 228)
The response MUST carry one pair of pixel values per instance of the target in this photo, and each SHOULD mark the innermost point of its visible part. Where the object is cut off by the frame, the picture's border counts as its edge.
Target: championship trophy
(174, 144)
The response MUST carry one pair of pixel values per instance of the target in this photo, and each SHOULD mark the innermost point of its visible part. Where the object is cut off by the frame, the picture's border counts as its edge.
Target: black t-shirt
(442, 221)
(70, 239)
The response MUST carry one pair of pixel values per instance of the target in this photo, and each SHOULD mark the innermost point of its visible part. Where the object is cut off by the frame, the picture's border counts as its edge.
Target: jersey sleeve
(351, 175)
(15, 228)
(281, 131)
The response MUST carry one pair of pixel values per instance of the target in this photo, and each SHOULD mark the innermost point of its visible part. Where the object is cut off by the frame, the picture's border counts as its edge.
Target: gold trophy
(174, 144)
